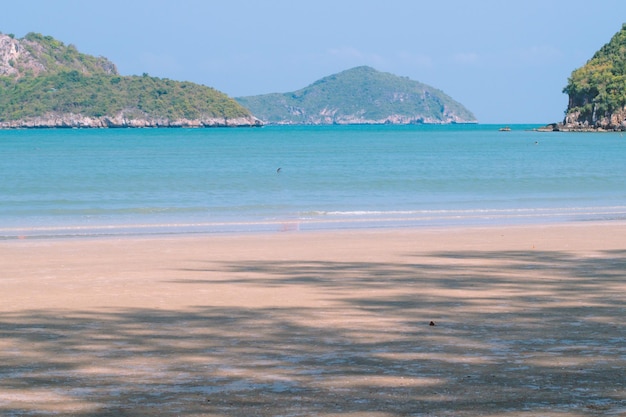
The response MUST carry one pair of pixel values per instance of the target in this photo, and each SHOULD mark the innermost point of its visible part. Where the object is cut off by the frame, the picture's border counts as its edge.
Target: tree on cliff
(597, 90)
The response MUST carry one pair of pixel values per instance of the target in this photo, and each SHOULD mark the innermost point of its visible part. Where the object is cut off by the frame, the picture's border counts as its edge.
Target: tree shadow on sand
(552, 343)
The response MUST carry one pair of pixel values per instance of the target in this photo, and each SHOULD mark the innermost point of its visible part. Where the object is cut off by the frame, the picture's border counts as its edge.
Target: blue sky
(507, 61)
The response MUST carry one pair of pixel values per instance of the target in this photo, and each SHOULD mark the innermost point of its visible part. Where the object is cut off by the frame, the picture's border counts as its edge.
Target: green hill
(45, 83)
(360, 95)
(597, 90)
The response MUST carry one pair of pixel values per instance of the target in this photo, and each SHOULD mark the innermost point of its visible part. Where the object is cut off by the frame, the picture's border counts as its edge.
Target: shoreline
(349, 221)
(573, 233)
(279, 228)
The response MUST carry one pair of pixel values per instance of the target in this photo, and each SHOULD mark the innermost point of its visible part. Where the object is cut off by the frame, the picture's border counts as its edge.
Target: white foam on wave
(328, 220)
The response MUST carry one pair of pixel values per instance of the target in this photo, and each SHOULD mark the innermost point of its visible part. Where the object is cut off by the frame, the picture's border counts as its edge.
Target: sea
(65, 183)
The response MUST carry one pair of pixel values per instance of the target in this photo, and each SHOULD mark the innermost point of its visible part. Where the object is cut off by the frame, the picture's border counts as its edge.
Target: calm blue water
(129, 181)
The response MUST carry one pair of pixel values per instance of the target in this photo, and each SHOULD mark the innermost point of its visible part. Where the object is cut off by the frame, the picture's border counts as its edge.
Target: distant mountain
(361, 95)
(45, 83)
(597, 90)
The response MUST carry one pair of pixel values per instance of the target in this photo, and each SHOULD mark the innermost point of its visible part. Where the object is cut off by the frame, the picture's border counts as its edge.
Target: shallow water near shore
(81, 182)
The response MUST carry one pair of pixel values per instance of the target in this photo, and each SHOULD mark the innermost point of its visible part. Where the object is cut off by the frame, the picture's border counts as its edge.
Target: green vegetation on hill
(598, 89)
(70, 92)
(48, 77)
(359, 95)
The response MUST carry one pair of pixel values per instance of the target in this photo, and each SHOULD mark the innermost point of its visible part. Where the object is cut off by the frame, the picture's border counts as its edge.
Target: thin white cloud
(387, 61)
(466, 58)
(537, 53)
(415, 59)
(345, 52)
(355, 55)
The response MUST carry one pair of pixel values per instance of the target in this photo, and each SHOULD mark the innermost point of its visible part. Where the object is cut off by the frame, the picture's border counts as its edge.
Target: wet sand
(527, 321)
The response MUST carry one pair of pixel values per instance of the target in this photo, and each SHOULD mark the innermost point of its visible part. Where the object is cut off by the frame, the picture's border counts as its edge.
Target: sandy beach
(501, 321)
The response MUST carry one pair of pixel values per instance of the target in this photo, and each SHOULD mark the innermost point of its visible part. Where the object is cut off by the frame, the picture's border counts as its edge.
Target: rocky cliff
(44, 83)
(36, 54)
(15, 59)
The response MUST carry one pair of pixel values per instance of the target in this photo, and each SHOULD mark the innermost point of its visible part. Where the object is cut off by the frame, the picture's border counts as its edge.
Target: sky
(506, 61)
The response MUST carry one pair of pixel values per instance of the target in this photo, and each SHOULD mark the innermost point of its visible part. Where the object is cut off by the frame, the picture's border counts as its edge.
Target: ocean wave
(327, 220)
(533, 211)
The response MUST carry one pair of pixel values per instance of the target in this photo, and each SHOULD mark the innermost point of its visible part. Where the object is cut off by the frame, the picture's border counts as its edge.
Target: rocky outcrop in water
(597, 91)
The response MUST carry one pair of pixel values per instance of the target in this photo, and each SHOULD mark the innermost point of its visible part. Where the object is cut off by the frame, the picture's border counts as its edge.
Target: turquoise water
(132, 181)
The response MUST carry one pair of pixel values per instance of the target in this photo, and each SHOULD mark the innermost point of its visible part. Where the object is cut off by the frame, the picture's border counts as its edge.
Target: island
(47, 84)
(360, 95)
